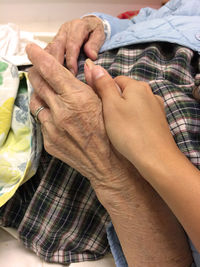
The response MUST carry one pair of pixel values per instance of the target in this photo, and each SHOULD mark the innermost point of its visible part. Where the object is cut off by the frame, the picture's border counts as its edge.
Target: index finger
(49, 68)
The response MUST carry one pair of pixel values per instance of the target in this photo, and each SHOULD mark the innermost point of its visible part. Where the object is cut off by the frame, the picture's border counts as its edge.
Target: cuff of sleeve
(107, 29)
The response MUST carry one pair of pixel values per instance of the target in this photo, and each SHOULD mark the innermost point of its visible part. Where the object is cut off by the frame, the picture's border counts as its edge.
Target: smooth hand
(134, 118)
(87, 32)
(136, 124)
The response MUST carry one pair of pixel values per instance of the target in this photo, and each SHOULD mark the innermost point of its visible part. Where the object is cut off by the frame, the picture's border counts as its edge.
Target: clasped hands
(90, 126)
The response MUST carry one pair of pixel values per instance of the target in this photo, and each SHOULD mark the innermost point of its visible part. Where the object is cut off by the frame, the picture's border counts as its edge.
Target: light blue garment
(176, 22)
(196, 255)
(115, 247)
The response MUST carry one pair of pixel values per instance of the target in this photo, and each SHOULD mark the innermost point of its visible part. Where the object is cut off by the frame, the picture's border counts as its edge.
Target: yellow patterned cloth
(20, 138)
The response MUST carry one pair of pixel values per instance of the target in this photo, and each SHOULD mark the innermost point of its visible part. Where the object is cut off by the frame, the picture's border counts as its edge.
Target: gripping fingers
(78, 32)
(94, 43)
(88, 31)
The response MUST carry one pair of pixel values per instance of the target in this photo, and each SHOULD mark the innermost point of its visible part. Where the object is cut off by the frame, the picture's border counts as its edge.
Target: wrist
(118, 191)
(161, 170)
(156, 158)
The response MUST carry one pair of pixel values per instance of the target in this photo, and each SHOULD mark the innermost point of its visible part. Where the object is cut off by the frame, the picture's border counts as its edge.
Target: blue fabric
(115, 247)
(196, 255)
(177, 22)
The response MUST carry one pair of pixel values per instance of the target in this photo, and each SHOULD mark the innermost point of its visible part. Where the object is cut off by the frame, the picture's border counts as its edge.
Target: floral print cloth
(19, 147)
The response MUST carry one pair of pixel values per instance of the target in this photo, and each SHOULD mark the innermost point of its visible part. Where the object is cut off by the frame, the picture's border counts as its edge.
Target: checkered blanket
(56, 212)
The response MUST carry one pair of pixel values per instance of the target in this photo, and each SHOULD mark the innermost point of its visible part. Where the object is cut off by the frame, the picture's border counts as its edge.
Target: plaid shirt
(57, 213)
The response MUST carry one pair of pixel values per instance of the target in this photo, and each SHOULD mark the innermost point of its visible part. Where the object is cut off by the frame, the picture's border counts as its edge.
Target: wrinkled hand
(135, 118)
(72, 122)
(87, 32)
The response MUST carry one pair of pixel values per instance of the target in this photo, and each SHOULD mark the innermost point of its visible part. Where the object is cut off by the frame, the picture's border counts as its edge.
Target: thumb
(101, 81)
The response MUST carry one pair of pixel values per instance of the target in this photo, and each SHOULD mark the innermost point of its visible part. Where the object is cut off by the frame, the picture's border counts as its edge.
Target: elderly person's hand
(87, 32)
(72, 122)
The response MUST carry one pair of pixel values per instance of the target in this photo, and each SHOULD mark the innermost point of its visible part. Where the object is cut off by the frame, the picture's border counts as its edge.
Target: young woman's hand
(134, 117)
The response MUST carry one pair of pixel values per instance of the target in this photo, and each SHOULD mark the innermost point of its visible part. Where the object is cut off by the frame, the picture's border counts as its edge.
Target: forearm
(178, 183)
(149, 233)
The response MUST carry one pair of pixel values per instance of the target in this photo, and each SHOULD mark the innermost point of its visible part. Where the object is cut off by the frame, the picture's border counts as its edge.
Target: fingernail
(89, 64)
(98, 72)
(94, 53)
(72, 71)
(118, 88)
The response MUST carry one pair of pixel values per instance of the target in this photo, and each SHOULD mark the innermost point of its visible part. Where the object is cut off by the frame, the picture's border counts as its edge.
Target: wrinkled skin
(87, 32)
(73, 129)
(72, 122)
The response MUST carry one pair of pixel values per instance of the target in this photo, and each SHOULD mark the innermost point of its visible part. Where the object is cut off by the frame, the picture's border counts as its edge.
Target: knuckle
(142, 89)
(121, 78)
(56, 43)
(144, 84)
(59, 119)
(92, 21)
(63, 27)
(145, 87)
(76, 21)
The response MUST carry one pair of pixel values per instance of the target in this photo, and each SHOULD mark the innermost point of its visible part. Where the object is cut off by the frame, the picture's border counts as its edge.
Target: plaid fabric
(56, 212)
(60, 218)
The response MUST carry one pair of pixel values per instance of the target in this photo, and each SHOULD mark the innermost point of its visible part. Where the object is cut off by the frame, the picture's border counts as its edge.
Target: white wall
(48, 15)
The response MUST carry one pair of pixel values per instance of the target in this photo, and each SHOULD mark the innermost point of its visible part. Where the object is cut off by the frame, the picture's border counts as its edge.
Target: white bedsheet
(13, 42)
